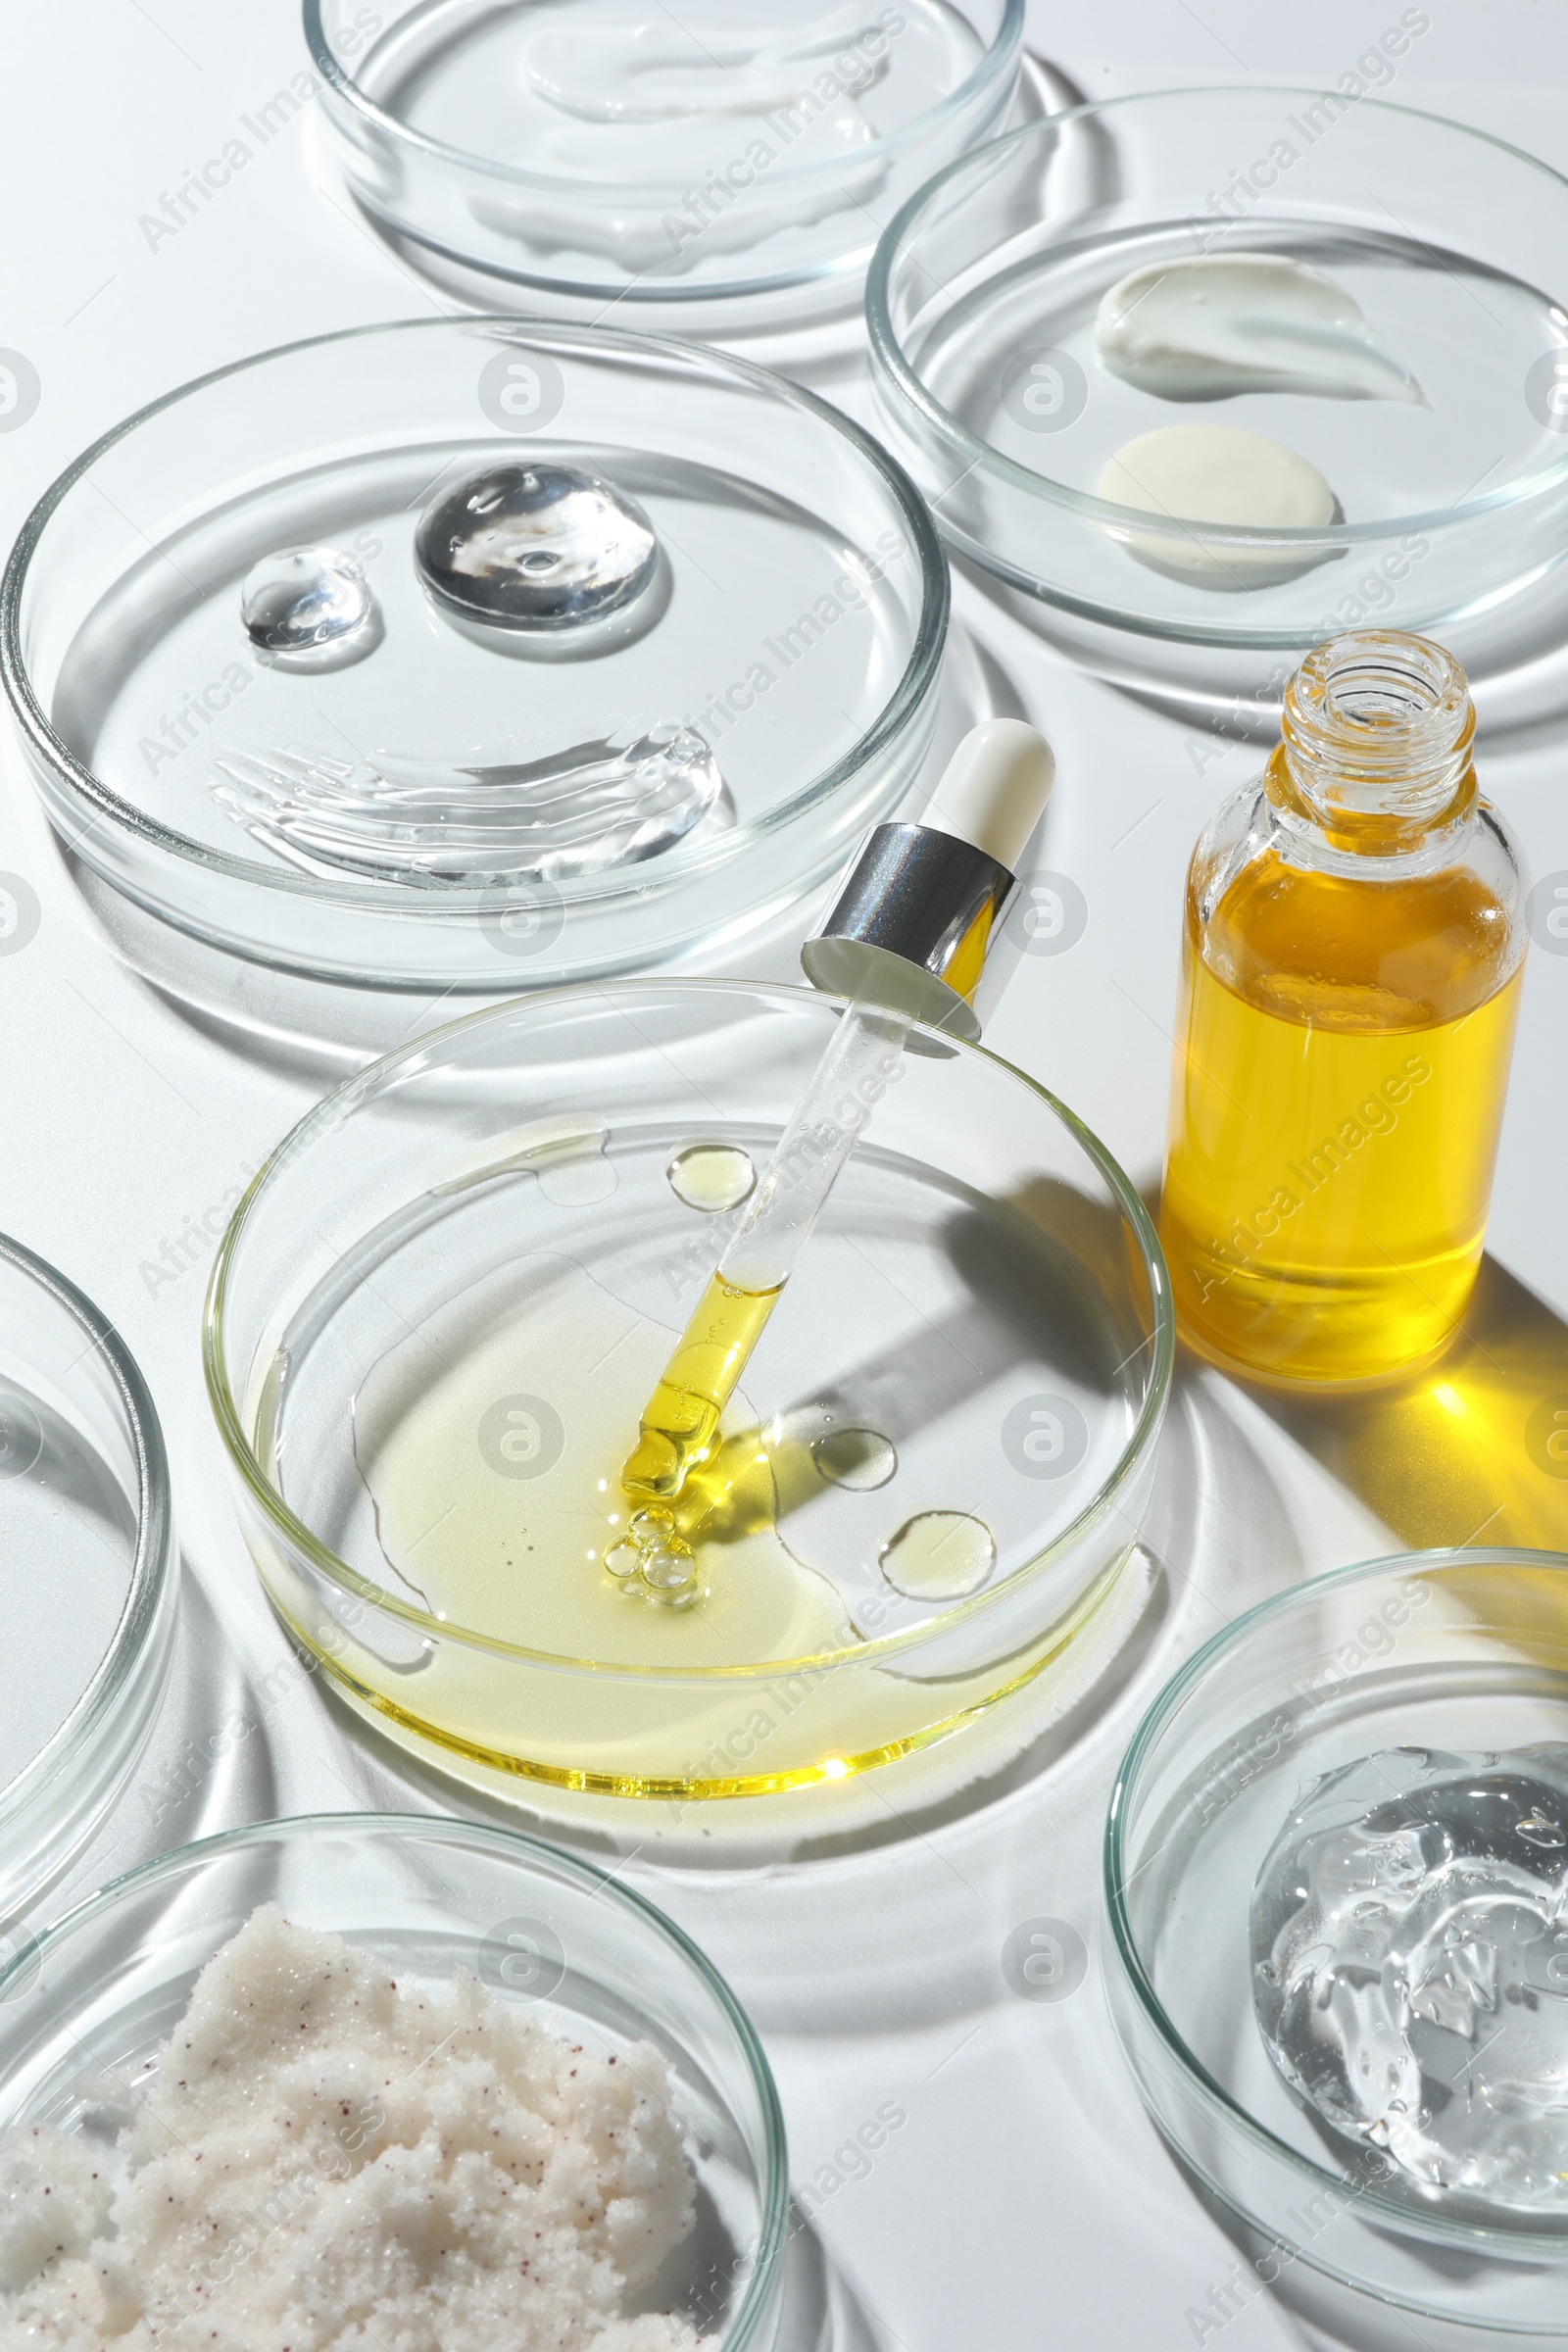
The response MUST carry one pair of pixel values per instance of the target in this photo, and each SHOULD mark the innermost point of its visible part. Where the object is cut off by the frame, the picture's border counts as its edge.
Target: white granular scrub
(325, 2158)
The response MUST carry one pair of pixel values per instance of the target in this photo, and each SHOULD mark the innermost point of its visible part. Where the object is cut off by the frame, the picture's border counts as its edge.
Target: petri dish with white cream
(1066, 325)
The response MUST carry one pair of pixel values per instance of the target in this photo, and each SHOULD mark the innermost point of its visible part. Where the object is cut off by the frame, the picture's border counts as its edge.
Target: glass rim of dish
(506, 1845)
(889, 363)
(226, 1411)
(1408, 2218)
(999, 57)
(153, 1562)
(683, 861)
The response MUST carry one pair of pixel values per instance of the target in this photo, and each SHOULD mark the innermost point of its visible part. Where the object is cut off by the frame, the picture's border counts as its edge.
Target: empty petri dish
(632, 754)
(977, 1340)
(609, 151)
(1437, 429)
(88, 1572)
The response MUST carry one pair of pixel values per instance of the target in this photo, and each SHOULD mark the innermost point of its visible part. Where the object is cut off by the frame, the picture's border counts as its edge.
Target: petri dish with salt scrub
(467, 657)
(1234, 368)
(488, 1938)
(88, 1572)
(732, 159)
(437, 1315)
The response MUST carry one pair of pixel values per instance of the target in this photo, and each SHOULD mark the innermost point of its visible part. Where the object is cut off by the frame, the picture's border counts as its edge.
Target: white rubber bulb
(995, 788)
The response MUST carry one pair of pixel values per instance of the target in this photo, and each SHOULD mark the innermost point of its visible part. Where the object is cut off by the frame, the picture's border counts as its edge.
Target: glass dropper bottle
(908, 940)
(1351, 967)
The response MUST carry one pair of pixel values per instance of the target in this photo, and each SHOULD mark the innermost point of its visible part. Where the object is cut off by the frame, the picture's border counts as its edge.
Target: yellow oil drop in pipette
(908, 941)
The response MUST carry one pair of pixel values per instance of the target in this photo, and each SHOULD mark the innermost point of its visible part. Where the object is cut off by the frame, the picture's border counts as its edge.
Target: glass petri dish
(1459, 1650)
(88, 1568)
(598, 151)
(767, 696)
(437, 1313)
(982, 305)
(84, 2006)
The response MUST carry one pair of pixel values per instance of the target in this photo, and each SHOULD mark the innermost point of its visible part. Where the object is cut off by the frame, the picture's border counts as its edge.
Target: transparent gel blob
(593, 806)
(1409, 1947)
(712, 1176)
(939, 1555)
(304, 599)
(536, 547)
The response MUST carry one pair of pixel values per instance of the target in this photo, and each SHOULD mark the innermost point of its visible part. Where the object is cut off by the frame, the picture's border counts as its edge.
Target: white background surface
(1025, 2201)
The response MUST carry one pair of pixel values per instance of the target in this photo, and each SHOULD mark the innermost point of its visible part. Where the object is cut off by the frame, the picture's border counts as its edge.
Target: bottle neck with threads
(1375, 752)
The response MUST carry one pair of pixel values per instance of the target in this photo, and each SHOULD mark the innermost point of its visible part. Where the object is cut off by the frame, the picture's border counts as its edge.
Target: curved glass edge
(63, 1766)
(1402, 2219)
(899, 376)
(919, 678)
(1215, 635)
(509, 1844)
(1002, 56)
(242, 1457)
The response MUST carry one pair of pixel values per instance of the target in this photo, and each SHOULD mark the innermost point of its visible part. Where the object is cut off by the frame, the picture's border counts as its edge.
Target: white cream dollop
(1197, 473)
(1217, 324)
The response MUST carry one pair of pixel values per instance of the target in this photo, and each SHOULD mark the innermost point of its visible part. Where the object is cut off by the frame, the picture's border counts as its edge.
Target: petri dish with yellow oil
(441, 1307)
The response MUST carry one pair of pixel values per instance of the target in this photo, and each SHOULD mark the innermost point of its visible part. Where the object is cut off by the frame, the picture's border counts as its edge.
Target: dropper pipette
(908, 941)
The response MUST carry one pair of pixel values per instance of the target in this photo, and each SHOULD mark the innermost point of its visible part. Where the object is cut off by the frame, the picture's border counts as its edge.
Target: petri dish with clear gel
(460, 658)
(85, 2007)
(733, 158)
(1381, 1673)
(1436, 423)
(88, 1570)
(931, 1477)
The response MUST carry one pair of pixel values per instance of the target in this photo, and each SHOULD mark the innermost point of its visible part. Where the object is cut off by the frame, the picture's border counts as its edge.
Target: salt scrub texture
(1195, 473)
(1219, 323)
(1409, 1942)
(324, 2158)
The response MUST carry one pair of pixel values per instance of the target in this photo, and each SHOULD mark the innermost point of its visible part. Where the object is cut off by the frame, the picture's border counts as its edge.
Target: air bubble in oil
(712, 1176)
(854, 1457)
(536, 547)
(939, 1555)
(307, 602)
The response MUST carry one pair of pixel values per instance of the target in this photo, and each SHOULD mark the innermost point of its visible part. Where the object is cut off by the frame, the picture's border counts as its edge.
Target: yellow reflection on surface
(1473, 1450)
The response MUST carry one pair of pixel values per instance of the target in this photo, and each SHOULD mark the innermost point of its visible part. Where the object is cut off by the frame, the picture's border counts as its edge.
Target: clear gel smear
(1410, 1946)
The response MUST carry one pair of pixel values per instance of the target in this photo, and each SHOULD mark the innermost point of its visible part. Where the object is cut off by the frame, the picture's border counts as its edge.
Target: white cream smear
(1197, 473)
(324, 2158)
(1218, 324)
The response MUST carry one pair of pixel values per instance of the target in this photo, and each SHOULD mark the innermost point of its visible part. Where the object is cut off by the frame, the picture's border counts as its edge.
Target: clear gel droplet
(861, 1460)
(649, 1527)
(712, 1176)
(536, 547)
(304, 599)
(623, 1559)
(939, 1555)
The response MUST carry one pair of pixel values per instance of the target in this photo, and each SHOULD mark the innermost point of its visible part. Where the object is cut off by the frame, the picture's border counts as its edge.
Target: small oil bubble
(712, 1176)
(858, 1458)
(623, 1559)
(650, 1527)
(939, 1555)
(669, 1576)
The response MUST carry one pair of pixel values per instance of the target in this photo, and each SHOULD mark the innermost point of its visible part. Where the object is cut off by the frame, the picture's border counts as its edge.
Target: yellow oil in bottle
(1342, 1049)
(681, 1420)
